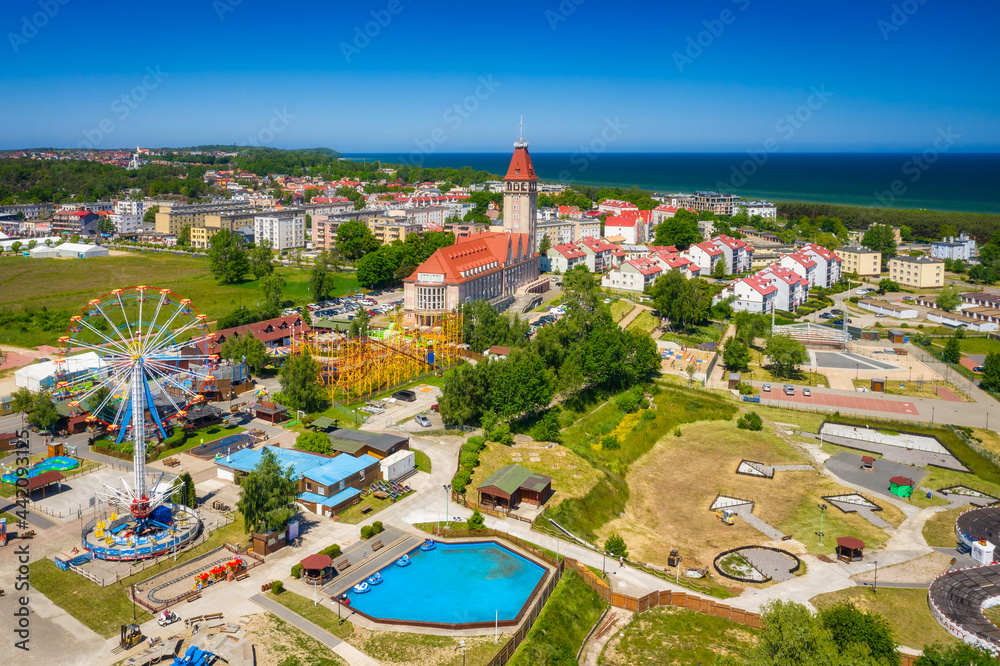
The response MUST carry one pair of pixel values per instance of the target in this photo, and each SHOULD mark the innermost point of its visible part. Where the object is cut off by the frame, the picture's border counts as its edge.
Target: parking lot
(347, 307)
(399, 413)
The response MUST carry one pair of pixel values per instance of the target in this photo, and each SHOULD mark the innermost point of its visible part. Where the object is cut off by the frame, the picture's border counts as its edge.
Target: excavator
(727, 516)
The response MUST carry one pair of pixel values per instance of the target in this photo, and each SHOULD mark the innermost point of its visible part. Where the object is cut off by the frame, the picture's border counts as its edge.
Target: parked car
(806, 392)
(978, 368)
(435, 407)
(422, 420)
(837, 311)
(826, 315)
(767, 388)
(406, 395)
(879, 315)
(789, 389)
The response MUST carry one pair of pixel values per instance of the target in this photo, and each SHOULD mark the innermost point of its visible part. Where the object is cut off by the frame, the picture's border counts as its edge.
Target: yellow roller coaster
(352, 368)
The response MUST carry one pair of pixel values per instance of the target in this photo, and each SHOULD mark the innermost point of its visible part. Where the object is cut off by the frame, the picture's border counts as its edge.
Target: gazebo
(43, 481)
(317, 569)
(323, 424)
(850, 549)
(901, 486)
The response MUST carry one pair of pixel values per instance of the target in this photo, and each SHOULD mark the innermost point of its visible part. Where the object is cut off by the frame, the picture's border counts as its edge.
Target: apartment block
(919, 272)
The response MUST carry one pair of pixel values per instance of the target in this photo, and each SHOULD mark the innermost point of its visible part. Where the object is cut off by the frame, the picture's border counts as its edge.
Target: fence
(507, 651)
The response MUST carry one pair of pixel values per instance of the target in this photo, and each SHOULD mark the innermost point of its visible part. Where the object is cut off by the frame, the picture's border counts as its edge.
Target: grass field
(939, 530)
(278, 642)
(572, 476)
(702, 462)
(65, 285)
(669, 635)
(762, 373)
(392, 647)
(912, 389)
(562, 625)
(906, 610)
(621, 308)
(422, 461)
(696, 336)
(644, 322)
(353, 515)
(979, 345)
(79, 597)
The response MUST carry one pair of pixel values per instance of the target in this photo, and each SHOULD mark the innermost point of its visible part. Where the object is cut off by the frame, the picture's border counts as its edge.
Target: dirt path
(633, 315)
(608, 627)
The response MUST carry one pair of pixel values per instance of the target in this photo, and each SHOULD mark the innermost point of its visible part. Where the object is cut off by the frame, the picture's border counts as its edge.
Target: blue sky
(717, 75)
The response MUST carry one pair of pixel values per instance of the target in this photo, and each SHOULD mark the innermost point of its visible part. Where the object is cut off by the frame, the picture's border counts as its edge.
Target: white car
(422, 420)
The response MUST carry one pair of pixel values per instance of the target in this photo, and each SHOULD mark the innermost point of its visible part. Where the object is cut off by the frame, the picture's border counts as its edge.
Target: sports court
(845, 402)
(847, 361)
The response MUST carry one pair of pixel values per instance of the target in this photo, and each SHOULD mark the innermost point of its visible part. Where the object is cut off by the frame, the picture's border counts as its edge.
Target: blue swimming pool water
(454, 583)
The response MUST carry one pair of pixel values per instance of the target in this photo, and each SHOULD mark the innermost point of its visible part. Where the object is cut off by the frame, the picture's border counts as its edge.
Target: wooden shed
(896, 337)
(878, 385)
(510, 485)
(271, 412)
(734, 379)
(317, 569)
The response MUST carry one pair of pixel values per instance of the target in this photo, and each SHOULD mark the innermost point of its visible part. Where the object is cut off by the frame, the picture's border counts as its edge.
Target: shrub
(547, 428)
(476, 521)
(628, 402)
(296, 571)
(610, 442)
(277, 587)
(477, 441)
(461, 481)
(677, 432)
(377, 527)
(750, 421)
(615, 545)
(366, 532)
(745, 388)
(468, 460)
(333, 551)
(502, 435)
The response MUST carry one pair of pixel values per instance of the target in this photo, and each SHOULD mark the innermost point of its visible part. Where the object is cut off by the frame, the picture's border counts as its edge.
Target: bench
(366, 509)
(193, 597)
(378, 544)
(242, 575)
(343, 565)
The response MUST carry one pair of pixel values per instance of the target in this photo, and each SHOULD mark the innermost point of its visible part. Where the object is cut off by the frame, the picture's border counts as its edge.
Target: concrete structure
(601, 255)
(70, 222)
(802, 264)
(171, 219)
(285, 229)
(859, 259)
(918, 272)
(706, 255)
(765, 209)
(563, 258)
(567, 230)
(520, 195)
(956, 319)
(887, 308)
(126, 223)
(633, 275)
(753, 294)
(738, 256)
(388, 229)
(482, 267)
(716, 202)
(956, 249)
(828, 265)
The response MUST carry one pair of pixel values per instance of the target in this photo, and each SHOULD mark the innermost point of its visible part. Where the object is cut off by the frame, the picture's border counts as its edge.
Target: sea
(932, 180)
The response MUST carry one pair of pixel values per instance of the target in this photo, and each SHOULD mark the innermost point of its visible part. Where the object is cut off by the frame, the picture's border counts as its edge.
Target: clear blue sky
(227, 67)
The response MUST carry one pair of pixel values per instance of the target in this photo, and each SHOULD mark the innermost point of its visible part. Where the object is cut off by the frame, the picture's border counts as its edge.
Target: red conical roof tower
(520, 163)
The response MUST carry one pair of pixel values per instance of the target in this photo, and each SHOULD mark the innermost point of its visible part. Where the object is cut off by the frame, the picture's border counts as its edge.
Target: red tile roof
(708, 248)
(570, 251)
(803, 259)
(474, 255)
(266, 331)
(644, 266)
(520, 166)
(760, 284)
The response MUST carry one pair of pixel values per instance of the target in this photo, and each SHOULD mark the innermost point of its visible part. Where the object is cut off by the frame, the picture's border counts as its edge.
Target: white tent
(41, 376)
(43, 252)
(81, 250)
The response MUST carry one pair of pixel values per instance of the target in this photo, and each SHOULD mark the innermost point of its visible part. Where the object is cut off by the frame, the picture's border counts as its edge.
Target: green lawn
(208, 434)
(353, 515)
(979, 345)
(906, 610)
(644, 322)
(105, 609)
(63, 287)
(562, 625)
(422, 461)
(669, 635)
(696, 336)
(621, 308)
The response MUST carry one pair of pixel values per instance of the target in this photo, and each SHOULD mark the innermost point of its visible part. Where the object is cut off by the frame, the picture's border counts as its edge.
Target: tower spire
(521, 141)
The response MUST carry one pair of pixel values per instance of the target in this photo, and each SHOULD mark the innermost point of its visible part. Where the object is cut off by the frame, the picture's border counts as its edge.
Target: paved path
(745, 511)
(947, 394)
(633, 315)
(828, 398)
(36, 519)
(352, 655)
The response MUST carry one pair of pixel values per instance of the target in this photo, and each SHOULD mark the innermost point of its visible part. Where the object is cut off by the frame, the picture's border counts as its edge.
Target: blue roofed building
(327, 485)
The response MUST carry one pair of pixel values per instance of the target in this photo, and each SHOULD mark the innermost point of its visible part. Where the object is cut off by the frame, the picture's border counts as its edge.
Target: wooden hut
(850, 549)
(510, 485)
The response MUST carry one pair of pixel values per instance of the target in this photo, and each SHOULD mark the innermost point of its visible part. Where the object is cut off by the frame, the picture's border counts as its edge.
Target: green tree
(16, 246)
(681, 230)
(23, 401)
(300, 387)
(272, 286)
(850, 626)
(355, 240)
(948, 298)
(463, 394)
(719, 271)
(376, 269)
(43, 413)
(948, 231)
(267, 494)
(184, 237)
(785, 355)
(736, 354)
(476, 521)
(314, 442)
(991, 372)
(245, 349)
(792, 636)
(149, 217)
(321, 279)
(685, 303)
(615, 546)
(261, 263)
(750, 421)
(952, 350)
(905, 232)
(881, 238)
(544, 245)
(887, 285)
(227, 258)
(956, 654)
(359, 325)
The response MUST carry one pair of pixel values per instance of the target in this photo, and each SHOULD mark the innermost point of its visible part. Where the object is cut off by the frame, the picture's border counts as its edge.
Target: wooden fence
(508, 649)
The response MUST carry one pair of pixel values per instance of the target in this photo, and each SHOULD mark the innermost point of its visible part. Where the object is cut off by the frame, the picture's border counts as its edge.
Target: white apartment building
(753, 294)
(827, 265)
(802, 264)
(706, 256)
(765, 209)
(285, 229)
(738, 256)
(793, 289)
(633, 275)
(956, 249)
(564, 258)
(129, 207)
(126, 223)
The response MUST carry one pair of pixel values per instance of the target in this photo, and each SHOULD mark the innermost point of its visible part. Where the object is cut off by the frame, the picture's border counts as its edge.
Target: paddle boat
(375, 578)
(404, 561)
(428, 544)
(344, 599)
(361, 588)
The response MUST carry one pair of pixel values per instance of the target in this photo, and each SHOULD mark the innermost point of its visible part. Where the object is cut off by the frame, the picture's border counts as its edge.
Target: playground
(848, 467)
(60, 463)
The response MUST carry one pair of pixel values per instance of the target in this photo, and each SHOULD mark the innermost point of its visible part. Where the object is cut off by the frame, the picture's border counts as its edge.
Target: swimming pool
(453, 584)
(56, 462)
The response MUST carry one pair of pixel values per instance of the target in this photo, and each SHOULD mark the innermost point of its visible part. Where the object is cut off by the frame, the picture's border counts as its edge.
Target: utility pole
(822, 511)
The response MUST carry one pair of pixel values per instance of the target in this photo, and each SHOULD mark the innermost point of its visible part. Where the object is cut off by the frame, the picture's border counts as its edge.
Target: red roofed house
(671, 261)
(827, 264)
(802, 264)
(633, 225)
(601, 255)
(665, 211)
(565, 257)
(75, 222)
(616, 207)
(793, 289)
(753, 294)
(706, 255)
(739, 255)
(633, 275)
(273, 332)
(485, 266)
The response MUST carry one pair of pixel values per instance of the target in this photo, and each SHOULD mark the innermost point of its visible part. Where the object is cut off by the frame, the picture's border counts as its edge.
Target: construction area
(355, 368)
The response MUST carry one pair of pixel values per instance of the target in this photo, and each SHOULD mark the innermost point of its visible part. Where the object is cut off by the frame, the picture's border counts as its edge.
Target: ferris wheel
(133, 359)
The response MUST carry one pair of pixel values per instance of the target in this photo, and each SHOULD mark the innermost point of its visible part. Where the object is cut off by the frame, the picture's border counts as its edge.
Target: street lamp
(462, 643)
(875, 587)
(447, 488)
(822, 510)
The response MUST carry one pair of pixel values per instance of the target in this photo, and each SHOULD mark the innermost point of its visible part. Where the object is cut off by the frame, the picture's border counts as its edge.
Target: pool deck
(365, 562)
